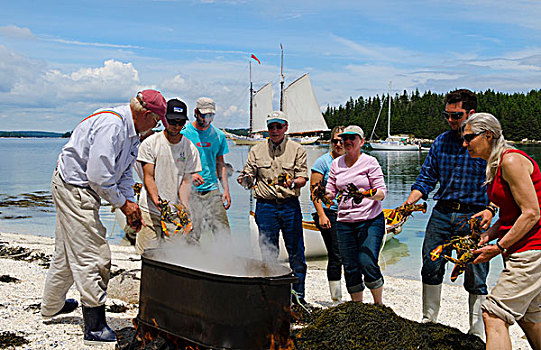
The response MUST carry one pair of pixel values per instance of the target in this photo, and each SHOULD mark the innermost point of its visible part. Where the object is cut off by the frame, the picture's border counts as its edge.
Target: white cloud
(16, 32)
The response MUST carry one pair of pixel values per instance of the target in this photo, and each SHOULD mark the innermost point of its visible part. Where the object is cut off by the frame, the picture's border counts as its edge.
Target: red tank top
(499, 193)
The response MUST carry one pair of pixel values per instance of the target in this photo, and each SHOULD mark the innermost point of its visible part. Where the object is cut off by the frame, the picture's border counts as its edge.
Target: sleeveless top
(499, 193)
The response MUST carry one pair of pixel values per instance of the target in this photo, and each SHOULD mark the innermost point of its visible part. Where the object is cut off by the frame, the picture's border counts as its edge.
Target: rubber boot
(477, 326)
(97, 331)
(431, 302)
(335, 287)
(69, 306)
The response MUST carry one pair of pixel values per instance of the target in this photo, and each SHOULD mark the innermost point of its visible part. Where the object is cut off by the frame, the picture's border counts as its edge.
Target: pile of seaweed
(42, 199)
(24, 254)
(354, 325)
(11, 340)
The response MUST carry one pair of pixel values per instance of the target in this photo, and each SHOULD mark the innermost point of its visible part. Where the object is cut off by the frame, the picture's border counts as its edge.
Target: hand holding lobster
(180, 218)
(464, 247)
(318, 193)
(357, 194)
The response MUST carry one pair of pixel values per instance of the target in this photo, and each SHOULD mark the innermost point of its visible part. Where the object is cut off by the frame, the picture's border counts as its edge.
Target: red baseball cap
(155, 102)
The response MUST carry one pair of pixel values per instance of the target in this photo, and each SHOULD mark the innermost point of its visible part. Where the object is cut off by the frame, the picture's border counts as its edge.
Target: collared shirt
(266, 161)
(460, 176)
(100, 155)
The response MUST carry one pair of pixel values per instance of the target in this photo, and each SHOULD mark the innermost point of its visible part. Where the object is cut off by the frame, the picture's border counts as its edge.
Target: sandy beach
(19, 313)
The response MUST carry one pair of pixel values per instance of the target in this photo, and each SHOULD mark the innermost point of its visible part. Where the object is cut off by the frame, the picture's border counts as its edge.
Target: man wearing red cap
(96, 163)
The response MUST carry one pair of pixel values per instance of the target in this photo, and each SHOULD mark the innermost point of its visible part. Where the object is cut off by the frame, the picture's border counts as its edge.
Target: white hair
(480, 122)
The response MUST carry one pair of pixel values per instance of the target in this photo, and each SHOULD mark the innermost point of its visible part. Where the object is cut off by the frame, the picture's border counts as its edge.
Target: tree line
(421, 115)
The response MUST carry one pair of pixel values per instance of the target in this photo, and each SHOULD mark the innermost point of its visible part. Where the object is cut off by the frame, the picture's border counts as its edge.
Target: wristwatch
(502, 249)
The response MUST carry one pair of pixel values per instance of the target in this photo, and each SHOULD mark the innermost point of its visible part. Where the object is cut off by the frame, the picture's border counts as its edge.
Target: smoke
(220, 256)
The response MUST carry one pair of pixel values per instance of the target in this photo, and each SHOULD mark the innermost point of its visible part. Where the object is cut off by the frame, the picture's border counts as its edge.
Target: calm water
(27, 166)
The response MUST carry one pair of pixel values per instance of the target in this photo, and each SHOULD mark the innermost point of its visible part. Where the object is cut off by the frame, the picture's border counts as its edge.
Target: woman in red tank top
(514, 184)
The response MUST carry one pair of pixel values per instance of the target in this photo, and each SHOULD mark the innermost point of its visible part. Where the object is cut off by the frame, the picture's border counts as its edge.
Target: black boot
(96, 329)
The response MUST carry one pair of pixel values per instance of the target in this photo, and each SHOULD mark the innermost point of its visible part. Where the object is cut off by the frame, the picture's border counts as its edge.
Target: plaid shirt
(460, 176)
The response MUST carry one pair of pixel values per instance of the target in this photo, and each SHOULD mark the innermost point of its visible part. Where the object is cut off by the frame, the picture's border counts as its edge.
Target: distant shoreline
(33, 134)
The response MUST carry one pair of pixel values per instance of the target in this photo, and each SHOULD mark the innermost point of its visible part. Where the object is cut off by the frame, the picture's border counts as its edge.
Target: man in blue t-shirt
(208, 205)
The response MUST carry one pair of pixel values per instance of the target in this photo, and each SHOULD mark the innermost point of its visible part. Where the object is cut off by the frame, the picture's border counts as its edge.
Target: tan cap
(277, 117)
(353, 130)
(206, 105)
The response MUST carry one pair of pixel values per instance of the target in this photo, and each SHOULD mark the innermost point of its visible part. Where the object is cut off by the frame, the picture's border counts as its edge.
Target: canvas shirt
(266, 161)
(460, 176)
(211, 143)
(171, 163)
(100, 154)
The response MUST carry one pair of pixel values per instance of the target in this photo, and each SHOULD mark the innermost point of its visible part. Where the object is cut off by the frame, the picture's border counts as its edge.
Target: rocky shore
(20, 295)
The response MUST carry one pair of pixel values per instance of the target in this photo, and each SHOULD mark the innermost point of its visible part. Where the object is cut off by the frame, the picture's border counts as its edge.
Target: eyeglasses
(275, 126)
(336, 141)
(452, 115)
(208, 115)
(348, 137)
(176, 122)
(469, 137)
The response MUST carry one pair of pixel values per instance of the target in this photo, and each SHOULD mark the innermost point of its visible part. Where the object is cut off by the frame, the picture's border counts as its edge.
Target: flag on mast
(255, 58)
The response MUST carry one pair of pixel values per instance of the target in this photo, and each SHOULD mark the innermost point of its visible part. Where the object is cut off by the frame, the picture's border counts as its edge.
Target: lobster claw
(435, 254)
(457, 271)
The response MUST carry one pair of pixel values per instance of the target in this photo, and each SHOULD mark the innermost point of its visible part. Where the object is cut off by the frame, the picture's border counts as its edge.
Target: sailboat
(297, 101)
(392, 143)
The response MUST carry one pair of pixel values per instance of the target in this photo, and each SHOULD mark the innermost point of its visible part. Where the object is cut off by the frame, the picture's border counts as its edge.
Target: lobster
(463, 247)
(352, 192)
(182, 219)
(317, 192)
(281, 180)
(403, 211)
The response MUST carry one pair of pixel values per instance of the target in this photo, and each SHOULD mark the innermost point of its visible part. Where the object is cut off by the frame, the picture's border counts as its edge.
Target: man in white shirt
(169, 160)
(96, 163)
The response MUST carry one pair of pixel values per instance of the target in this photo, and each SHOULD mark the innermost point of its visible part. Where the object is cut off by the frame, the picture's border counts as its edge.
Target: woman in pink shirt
(360, 224)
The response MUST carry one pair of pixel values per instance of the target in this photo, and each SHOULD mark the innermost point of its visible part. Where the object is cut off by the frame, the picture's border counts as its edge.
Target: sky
(61, 60)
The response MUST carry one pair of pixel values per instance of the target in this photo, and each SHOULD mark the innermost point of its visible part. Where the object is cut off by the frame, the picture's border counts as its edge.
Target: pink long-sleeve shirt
(365, 173)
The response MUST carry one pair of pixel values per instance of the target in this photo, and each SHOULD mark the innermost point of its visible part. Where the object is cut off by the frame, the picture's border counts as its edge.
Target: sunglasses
(452, 115)
(348, 137)
(176, 122)
(469, 137)
(205, 116)
(336, 141)
(275, 126)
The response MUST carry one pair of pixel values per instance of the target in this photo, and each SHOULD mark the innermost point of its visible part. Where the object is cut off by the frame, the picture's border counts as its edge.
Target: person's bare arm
(150, 183)
(222, 176)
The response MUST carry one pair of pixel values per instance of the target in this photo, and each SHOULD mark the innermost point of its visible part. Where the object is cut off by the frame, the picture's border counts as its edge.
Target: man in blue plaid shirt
(461, 194)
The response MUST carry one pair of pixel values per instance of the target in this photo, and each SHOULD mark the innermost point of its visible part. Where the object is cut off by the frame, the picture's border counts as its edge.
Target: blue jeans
(287, 217)
(441, 227)
(334, 260)
(359, 244)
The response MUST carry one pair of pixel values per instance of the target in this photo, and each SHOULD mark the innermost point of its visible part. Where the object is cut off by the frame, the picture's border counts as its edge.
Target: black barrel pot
(215, 310)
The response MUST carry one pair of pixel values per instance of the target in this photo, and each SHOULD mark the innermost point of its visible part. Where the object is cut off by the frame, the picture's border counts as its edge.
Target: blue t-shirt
(323, 166)
(210, 143)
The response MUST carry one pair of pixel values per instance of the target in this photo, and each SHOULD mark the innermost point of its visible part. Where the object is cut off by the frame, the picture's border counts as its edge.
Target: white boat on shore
(392, 143)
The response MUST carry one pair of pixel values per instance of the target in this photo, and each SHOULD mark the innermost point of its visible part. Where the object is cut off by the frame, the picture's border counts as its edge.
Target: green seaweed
(11, 340)
(354, 325)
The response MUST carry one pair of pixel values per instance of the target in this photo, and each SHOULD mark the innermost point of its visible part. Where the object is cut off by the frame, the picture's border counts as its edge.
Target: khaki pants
(151, 235)
(208, 216)
(82, 254)
(517, 294)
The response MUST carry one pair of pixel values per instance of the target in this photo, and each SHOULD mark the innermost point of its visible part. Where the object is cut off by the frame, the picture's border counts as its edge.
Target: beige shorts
(517, 294)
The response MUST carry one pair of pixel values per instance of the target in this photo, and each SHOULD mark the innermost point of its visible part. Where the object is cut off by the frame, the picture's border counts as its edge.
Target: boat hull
(385, 146)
